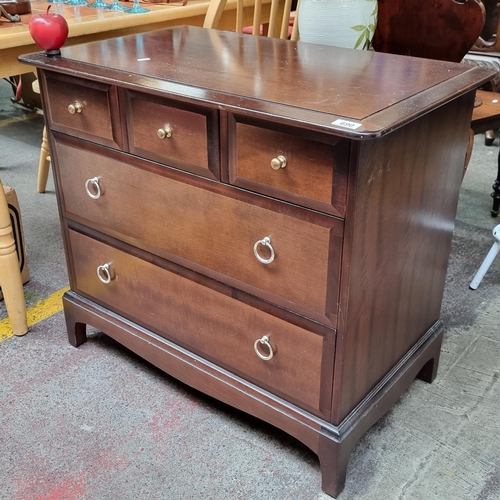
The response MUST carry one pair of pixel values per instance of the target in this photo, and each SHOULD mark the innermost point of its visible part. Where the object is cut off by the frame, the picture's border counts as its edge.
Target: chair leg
(488, 260)
(10, 274)
(489, 137)
(496, 192)
(468, 153)
(44, 163)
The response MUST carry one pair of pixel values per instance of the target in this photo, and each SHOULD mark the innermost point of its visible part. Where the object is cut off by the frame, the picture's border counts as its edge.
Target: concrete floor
(97, 422)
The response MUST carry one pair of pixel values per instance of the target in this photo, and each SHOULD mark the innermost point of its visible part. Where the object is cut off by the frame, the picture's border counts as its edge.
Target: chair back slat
(278, 25)
(257, 12)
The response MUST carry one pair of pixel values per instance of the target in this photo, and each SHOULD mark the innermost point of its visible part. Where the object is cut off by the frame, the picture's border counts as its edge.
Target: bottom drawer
(209, 323)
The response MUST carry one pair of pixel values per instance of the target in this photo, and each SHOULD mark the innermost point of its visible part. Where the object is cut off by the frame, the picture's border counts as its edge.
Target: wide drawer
(205, 230)
(177, 134)
(84, 109)
(306, 169)
(209, 323)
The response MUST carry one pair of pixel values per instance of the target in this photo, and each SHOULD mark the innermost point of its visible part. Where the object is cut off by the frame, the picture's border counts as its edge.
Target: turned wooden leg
(43, 163)
(333, 460)
(77, 331)
(10, 273)
(468, 153)
(489, 137)
(496, 192)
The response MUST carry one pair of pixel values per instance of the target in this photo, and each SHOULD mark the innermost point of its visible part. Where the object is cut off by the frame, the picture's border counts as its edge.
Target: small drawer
(213, 325)
(180, 135)
(229, 239)
(288, 166)
(84, 109)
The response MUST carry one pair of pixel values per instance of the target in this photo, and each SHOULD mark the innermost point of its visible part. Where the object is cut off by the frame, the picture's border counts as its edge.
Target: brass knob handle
(278, 162)
(166, 131)
(76, 107)
(264, 341)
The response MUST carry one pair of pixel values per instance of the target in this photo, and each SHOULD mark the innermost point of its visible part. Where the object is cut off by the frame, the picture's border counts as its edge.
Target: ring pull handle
(104, 273)
(267, 243)
(75, 107)
(264, 341)
(92, 188)
(165, 132)
(278, 162)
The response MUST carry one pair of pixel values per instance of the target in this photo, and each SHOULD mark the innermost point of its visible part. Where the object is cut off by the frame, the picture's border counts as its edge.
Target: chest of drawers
(268, 222)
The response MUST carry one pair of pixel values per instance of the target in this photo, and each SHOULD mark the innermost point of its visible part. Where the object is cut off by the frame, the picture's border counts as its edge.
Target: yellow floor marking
(15, 119)
(40, 311)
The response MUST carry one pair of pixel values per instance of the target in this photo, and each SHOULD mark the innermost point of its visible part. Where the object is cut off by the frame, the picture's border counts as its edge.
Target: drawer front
(84, 109)
(183, 137)
(206, 231)
(289, 167)
(207, 322)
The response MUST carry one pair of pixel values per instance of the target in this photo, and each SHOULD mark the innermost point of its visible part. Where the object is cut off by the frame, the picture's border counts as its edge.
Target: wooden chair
(435, 29)
(249, 18)
(10, 274)
(444, 30)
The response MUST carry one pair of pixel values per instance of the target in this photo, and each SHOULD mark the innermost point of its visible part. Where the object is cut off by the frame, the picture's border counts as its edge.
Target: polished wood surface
(191, 129)
(226, 340)
(439, 29)
(444, 30)
(395, 269)
(307, 177)
(298, 279)
(226, 61)
(93, 120)
(486, 116)
(360, 263)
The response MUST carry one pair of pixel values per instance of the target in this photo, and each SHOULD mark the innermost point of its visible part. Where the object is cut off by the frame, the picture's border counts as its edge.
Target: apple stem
(48, 8)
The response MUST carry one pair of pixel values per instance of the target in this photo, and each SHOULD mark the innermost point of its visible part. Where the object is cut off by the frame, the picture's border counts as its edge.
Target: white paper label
(347, 124)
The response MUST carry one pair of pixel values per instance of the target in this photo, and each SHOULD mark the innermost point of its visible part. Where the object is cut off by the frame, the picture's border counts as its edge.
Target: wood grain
(315, 175)
(396, 252)
(361, 230)
(323, 83)
(192, 225)
(94, 121)
(193, 129)
(196, 317)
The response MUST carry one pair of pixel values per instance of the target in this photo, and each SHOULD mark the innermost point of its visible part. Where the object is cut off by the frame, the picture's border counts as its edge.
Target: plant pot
(341, 23)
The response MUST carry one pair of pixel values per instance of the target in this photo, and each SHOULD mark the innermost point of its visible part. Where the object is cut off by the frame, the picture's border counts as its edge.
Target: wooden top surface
(85, 20)
(312, 84)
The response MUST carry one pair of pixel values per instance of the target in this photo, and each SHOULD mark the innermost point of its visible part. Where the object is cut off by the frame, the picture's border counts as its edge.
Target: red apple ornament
(49, 31)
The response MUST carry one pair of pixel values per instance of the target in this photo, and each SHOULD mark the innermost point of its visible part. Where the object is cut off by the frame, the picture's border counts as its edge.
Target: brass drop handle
(76, 107)
(165, 132)
(278, 162)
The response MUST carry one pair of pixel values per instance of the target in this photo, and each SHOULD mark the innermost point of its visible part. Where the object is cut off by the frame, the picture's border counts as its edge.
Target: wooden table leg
(10, 273)
(44, 163)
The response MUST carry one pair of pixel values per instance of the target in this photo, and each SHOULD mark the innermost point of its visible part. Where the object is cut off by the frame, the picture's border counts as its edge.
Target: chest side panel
(398, 237)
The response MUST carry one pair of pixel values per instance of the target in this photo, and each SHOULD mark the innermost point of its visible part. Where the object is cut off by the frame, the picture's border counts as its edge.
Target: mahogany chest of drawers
(267, 221)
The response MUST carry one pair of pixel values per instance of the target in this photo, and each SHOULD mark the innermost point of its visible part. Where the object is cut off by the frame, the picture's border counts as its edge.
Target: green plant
(366, 30)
